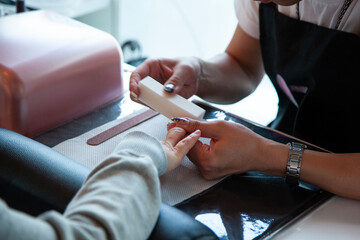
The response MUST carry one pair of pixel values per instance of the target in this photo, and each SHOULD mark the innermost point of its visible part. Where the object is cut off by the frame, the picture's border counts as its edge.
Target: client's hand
(177, 144)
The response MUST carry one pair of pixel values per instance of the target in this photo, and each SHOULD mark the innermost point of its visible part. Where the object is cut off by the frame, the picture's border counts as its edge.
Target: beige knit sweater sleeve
(119, 200)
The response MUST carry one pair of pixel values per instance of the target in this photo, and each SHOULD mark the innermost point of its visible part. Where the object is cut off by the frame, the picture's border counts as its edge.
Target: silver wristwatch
(294, 163)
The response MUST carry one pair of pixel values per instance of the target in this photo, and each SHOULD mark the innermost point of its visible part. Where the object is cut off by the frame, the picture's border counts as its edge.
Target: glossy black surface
(252, 205)
(246, 206)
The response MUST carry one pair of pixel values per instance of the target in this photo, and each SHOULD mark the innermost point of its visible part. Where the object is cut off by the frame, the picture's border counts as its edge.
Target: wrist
(202, 78)
(143, 144)
(274, 158)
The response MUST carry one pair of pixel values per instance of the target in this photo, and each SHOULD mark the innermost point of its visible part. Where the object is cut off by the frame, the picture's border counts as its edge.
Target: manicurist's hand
(179, 76)
(233, 148)
(177, 144)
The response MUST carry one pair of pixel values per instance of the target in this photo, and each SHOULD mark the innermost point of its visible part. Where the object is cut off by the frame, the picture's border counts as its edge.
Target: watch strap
(293, 168)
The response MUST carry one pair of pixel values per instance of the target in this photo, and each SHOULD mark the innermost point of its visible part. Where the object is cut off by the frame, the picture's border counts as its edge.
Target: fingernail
(197, 132)
(180, 120)
(169, 88)
(134, 95)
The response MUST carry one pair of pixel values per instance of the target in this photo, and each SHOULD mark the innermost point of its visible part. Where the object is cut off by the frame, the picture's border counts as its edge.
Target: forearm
(119, 200)
(121, 197)
(18, 225)
(122, 205)
(116, 203)
(223, 81)
(336, 173)
(234, 74)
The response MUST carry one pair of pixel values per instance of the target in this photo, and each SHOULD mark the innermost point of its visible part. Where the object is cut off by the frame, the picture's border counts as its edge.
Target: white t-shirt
(320, 12)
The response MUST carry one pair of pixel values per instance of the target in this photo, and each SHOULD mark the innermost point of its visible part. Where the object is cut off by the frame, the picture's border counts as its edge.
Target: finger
(135, 98)
(198, 152)
(177, 80)
(167, 69)
(174, 85)
(159, 69)
(174, 135)
(151, 67)
(170, 125)
(187, 143)
(208, 129)
(135, 78)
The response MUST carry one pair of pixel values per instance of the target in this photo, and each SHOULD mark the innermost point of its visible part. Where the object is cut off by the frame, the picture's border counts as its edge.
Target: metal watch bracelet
(294, 163)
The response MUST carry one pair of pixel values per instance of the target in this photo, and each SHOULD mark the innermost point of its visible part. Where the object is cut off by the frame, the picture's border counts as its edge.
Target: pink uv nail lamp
(53, 69)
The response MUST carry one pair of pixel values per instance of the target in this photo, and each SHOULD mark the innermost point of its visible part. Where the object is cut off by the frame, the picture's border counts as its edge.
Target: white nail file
(153, 95)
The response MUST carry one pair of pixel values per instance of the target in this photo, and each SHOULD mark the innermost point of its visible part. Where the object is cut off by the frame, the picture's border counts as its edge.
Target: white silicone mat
(176, 186)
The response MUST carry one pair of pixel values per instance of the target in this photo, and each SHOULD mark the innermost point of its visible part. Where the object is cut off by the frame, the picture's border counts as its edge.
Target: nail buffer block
(153, 95)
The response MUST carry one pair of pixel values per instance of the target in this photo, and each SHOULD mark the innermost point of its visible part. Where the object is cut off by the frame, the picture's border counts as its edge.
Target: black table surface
(244, 206)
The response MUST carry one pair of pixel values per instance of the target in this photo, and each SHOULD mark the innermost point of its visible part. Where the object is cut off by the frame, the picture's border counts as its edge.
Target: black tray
(252, 205)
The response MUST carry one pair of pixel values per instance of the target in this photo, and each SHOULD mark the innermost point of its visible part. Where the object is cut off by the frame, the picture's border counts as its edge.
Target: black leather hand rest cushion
(35, 178)
(35, 170)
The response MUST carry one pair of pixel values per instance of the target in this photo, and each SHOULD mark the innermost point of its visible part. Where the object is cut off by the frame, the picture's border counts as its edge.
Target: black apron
(316, 73)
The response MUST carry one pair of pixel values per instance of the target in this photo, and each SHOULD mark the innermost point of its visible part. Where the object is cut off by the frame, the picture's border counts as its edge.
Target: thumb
(174, 84)
(208, 129)
(181, 73)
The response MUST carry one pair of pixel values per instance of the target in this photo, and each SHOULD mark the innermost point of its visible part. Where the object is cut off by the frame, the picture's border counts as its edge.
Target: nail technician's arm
(236, 149)
(119, 200)
(226, 78)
